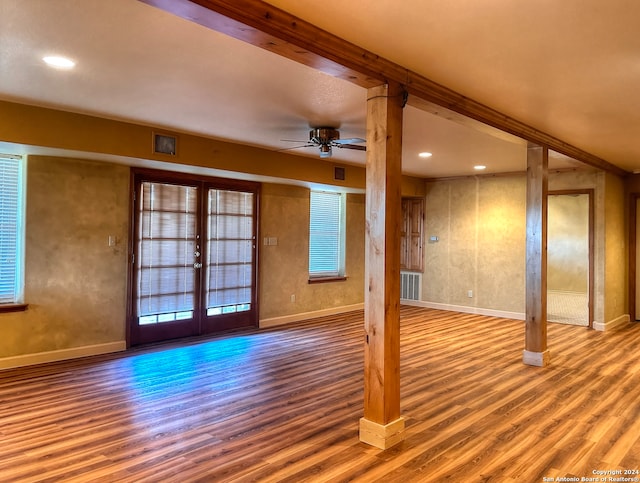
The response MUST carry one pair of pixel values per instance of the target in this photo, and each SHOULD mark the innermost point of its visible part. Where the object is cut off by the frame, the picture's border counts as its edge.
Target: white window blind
(10, 230)
(326, 234)
(230, 255)
(166, 247)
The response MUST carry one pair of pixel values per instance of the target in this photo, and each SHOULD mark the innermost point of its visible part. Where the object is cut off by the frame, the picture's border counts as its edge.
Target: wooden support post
(382, 425)
(536, 353)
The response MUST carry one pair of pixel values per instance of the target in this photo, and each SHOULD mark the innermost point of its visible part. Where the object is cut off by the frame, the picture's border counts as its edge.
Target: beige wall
(616, 252)
(75, 283)
(284, 268)
(481, 228)
(480, 224)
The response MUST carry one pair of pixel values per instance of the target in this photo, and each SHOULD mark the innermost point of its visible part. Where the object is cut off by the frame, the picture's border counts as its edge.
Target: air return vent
(410, 283)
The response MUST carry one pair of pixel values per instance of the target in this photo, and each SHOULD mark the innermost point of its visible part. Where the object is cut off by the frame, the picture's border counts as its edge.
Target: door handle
(197, 265)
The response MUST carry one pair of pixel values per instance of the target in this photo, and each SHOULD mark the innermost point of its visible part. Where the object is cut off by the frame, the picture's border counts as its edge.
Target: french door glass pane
(230, 252)
(166, 247)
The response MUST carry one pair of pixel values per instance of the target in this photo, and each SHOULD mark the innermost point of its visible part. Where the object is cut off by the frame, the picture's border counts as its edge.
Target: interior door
(194, 257)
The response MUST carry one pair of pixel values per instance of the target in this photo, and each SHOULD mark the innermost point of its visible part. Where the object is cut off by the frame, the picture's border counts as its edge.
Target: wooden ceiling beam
(273, 29)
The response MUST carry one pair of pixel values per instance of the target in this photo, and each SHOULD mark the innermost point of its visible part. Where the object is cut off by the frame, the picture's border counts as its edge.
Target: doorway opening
(634, 256)
(570, 274)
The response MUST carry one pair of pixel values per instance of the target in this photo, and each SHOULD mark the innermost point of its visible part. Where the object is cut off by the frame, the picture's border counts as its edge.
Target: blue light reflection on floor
(168, 373)
(162, 382)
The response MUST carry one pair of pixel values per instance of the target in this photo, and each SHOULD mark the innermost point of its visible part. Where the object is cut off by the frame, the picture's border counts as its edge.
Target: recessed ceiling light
(425, 155)
(479, 167)
(59, 62)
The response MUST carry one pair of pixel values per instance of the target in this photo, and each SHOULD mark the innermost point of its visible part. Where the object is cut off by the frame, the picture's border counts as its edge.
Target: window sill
(13, 308)
(326, 279)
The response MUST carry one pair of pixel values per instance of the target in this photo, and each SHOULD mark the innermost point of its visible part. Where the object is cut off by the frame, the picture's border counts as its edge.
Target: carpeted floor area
(568, 307)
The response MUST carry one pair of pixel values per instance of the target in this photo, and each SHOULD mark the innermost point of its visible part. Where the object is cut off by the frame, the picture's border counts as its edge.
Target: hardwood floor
(284, 404)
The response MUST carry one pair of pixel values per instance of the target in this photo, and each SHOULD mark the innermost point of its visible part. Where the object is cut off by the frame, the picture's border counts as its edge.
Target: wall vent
(410, 285)
(165, 144)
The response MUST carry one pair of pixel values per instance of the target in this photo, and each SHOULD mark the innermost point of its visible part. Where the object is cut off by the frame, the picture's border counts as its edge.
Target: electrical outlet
(293, 298)
(470, 294)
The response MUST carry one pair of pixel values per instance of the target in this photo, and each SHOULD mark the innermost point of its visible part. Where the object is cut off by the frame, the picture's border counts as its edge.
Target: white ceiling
(569, 68)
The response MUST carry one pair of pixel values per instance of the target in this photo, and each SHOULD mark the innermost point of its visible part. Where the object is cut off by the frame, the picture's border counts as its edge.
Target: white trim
(287, 319)
(464, 309)
(538, 359)
(612, 324)
(601, 326)
(61, 355)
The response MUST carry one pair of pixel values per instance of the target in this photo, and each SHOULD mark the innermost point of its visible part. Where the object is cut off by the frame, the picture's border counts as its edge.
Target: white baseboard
(61, 355)
(288, 319)
(464, 309)
(612, 324)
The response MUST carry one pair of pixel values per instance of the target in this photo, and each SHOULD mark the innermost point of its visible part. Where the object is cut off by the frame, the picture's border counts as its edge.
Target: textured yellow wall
(616, 252)
(481, 228)
(284, 267)
(480, 224)
(132, 144)
(75, 283)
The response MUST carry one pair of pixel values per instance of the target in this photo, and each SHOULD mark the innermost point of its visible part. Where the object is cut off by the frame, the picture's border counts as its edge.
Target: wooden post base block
(382, 436)
(540, 359)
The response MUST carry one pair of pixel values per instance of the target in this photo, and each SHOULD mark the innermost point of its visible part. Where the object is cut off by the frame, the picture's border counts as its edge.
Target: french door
(194, 256)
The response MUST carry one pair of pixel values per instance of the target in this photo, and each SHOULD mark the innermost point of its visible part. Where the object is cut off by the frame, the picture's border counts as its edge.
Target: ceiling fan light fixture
(327, 138)
(323, 135)
(325, 151)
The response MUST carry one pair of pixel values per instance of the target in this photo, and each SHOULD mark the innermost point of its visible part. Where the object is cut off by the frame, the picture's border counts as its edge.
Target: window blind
(325, 234)
(166, 248)
(230, 255)
(10, 218)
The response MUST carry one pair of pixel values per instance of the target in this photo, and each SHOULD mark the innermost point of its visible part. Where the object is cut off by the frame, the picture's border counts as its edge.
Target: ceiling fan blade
(296, 141)
(349, 141)
(352, 146)
(297, 147)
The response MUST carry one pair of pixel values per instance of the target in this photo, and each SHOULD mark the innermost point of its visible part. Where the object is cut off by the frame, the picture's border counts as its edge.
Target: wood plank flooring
(283, 405)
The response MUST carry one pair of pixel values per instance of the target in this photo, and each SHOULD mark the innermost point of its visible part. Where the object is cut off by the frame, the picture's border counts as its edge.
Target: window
(326, 234)
(11, 239)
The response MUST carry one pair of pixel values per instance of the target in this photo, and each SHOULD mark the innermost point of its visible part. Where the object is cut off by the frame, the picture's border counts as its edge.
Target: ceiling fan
(326, 138)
